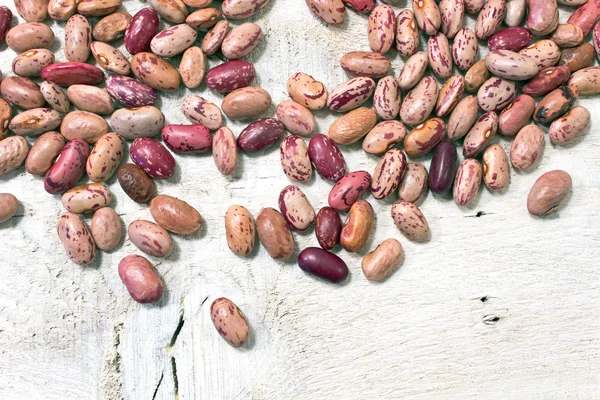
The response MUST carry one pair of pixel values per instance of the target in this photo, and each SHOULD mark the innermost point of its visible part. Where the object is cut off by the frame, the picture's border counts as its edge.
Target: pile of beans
(72, 144)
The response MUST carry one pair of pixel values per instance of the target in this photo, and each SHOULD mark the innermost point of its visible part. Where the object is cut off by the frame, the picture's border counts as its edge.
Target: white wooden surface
(498, 306)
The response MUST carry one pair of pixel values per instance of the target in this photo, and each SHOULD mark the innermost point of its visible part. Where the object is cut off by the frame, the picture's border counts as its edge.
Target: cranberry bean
(72, 73)
(388, 173)
(230, 76)
(141, 279)
(76, 239)
(323, 264)
(413, 185)
(548, 192)
(467, 182)
(187, 138)
(496, 171)
(224, 151)
(546, 80)
(516, 115)
(527, 147)
(465, 49)
(260, 134)
(513, 39)
(295, 161)
(569, 126)
(328, 228)
(241, 40)
(407, 33)
(130, 92)
(296, 208)
(443, 167)
(480, 135)
(348, 190)
(297, 119)
(140, 31)
(327, 158)
(363, 63)
(68, 168)
(381, 28)
(351, 94)
(383, 137)
(229, 321)
(410, 221)
(152, 157)
(43, 153)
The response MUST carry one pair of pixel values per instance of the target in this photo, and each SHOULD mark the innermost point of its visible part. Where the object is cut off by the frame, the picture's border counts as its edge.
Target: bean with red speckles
(130, 92)
(55, 96)
(327, 158)
(348, 190)
(357, 226)
(452, 13)
(22, 92)
(187, 138)
(241, 40)
(274, 234)
(545, 53)
(413, 184)
(30, 35)
(68, 168)
(229, 321)
(382, 261)
(427, 15)
(298, 120)
(596, 39)
(386, 99)
(364, 63)
(173, 40)
(586, 81)
(230, 75)
(586, 16)
(473, 6)
(527, 146)
(240, 230)
(569, 126)
(62, 10)
(106, 229)
(495, 94)
(577, 58)
(510, 65)
(296, 208)
(442, 170)
(568, 35)
(43, 153)
(201, 111)
(152, 157)
(105, 157)
(205, 18)
(423, 138)
(76, 238)
(496, 171)
(90, 98)
(150, 238)
(476, 76)
(240, 9)
(98, 8)
(140, 31)
(13, 151)
(192, 67)
(490, 18)
(132, 123)
(110, 58)
(305, 90)
(548, 192)
(410, 221)
(381, 28)
(328, 228)
(330, 11)
(141, 279)
(246, 102)
(464, 49)
(413, 70)
(516, 115)
(112, 26)
(546, 80)
(32, 10)
(295, 161)
(83, 125)
(323, 264)
(135, 183)
(72, 73)
(214, 38)
(555, 104)
(467, 182)
(388, 173)
(32, 62)
(260, 134)
(407, 33)
(438, 53)
(155, 72)
(449, 95)
(419, 102)
(362, 6)
(480, 135)
(351, 94)
(5, 20)
(174, 11)
(352, 127)
(86, 198)
(78, 36)
(542, 18)
(224, 151)
(513, 39)
(383, 137)
(35, 121)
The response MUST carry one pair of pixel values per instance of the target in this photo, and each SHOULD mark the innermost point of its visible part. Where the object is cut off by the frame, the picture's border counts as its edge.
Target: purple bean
(72, 73)
(140, 31)
(260, 134)
(323, 264)
(443, 167)
(129, 92)
(5, 20)
(328, 228)
(327, 158)
(68, 168)
(152, 157)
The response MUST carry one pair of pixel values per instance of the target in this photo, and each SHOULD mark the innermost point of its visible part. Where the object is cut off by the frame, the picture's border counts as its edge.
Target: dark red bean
(328, 228)
(349, 189)
(129, 92)
(327, 158)
(187, 138)
(5, 20)
(362, 6)
(68, 168)
(260, 134)
(513, 39)
(323, 264)
(230, 75)
(152, 157)
(443, 167)
(546, 80)
(72, 73)
(140, 31)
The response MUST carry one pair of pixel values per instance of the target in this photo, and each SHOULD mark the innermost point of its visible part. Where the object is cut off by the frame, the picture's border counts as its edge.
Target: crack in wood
(158, 385)
(175, 380)
(179, 325)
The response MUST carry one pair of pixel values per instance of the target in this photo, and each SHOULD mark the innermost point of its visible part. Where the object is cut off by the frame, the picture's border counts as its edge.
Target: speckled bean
(449, 95)
(295, 161)
(140, 31)
(452, 13)
(353, 126)
(381, 28)
(495, 94)
(105, 157)
(150, 238)
(32, 62)
(596, 39)
(496, 171)
(569, 126)
(241, 9)
(473, 6)
(152, 157)
(78, 36)
(13, 151)
(32, 10)
(386, 99)
(83, 125)
(476, 76)
(330, 11)
(132, 123)
(423, 138)
(548, 192)
(413, 70)
(35, 121)
(307, 91)
(388, 173)
(442, 170)
(5, 21)
(247, 102)
(90, 98)
(384, 136)
(546, 80)
(515, 12)
(462, 117)
(296, 208)
(516, 115)
(480, 135)
(490, 18)
(568, 35)
(357, 226)
(174, 11)
(364, 63)
(512, 39)
(586, 81)
(72, 73)
(155, 72)
(135, 183)
(173, 40)
(61, 10)
(141, 279)
(204, 18)
(224, 149)
(214, 38)
(175, 215)
(577, 58)
(542, 18)
(5, 117)
(351, 94)
(43, 153)
(106, 229)
(98, 8)
(22, 92)
(112, 27)
(297, 119)
(407, 33)
(86, 198)
(110, 58)
(555, 104)
(241, 40)
(419, 102)
(413, 184)
(427, 15)
(348, 190)
(410, 221)
(465, 49)
(240, 230)
(274, 234)
(327, 158)
(467, 182)
(328, 228)
(192, 67)
(76, 238)
(362, 6)
(438, 53)
(527, 147)
(545, 53)
(130, 92)
(68, 168)
(55, 97)
(260, 134)
(586, 16)
(30, 35)
(187, 138)
(229, 321)
(510, 65)
(201, 111)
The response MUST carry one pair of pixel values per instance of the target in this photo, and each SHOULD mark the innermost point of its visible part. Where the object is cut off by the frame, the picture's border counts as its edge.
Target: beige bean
(382, 261)
(427, 15)
(224, 149)
(32, 10)
(141, 279)
(86, 198)
(307, 91)
(467, 182)
(423, 138)
(353, 126)
(192, 67)
(545, 53)
(384, 136)
(55, 96)
(548, 192)
(205, 18)
(476, 76)
(83, 125)
(510, 65)
(35, 121)
(214, 38)
(462, 117)
(175, 215)
(496, 171)
(5, 117)
(567, 35)
(30, 35)
(527, 147)
(150, 238)
(419, 102)
(201, 111)
(410, 221)
(413, 70)
(106, 229)
(246, 102)
(22, 92)
(481, 134)
(111, 27)
(32, 62)
(76, 239)
(173, 40)
(132, 123)
(330, 11)
(105, 157)
(516, 115)
(357, 226)
(413, 185)
(90, 98)
(97, 8)
(174, 11)
(240, 41)
(298, 120)
(570, 126)
(78, 36)
(155, 72)
(13, 151)
(61, 10)
(365, 63)
(274, 234)
(240, 230)
(43, 153)
(515, 12)
(229, 321)
(110, 58)
(8, 206)
(586, 81)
